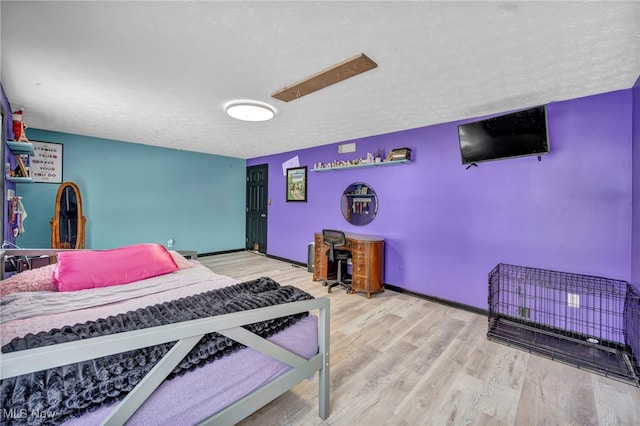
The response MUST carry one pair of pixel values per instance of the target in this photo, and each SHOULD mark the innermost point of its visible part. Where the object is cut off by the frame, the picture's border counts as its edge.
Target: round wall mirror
(359, 204)
(67, 225)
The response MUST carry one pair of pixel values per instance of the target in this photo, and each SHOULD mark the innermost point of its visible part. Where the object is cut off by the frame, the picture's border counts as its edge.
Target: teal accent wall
(134, 193)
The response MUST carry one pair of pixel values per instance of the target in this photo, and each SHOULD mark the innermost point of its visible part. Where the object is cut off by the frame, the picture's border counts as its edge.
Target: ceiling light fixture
(250, 110)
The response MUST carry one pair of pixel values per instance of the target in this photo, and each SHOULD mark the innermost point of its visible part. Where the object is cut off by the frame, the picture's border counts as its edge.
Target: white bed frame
(187, 334)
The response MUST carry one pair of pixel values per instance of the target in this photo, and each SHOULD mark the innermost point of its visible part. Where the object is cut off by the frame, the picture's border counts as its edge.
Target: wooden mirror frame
(55, 225)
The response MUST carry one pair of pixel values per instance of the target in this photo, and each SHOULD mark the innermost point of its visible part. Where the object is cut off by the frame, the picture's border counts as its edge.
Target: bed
(179, 384)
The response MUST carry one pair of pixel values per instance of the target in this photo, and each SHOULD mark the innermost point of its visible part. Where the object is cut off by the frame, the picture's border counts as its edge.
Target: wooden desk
(367, 262)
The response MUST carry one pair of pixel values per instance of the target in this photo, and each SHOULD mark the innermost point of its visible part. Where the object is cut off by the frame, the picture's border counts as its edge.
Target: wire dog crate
(589, 322)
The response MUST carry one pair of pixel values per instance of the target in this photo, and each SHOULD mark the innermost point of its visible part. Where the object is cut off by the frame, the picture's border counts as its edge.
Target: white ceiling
(160, 73)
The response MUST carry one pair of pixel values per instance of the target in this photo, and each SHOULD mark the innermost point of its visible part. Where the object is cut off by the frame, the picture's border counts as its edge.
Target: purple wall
(635, 247)
(8, 236)
(7, 108)
(446, 227)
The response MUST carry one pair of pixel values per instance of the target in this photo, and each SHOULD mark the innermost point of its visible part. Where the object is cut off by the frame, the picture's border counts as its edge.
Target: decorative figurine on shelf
(19, 126)
(18, 215)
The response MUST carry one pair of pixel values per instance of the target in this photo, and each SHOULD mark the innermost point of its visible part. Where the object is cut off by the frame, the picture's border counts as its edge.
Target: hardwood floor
(401, 360)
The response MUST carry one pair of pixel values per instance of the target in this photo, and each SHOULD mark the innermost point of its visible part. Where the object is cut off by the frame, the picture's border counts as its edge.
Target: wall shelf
(19, 179)
(355, 166)
(21, 147)
(17, 149)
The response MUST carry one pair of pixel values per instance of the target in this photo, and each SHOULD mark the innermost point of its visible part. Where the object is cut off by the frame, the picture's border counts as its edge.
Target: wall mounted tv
(516, 134)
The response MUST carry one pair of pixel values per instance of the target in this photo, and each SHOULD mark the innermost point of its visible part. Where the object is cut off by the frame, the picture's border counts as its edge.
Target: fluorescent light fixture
(250, 110)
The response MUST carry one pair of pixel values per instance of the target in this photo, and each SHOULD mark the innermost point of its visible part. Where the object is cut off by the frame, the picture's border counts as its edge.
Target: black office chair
(335, 239)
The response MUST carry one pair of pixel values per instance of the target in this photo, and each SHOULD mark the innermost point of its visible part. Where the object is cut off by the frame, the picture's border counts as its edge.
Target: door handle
(263, 215)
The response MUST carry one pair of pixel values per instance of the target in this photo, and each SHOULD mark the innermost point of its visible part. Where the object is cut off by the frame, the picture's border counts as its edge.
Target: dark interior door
(257, 201)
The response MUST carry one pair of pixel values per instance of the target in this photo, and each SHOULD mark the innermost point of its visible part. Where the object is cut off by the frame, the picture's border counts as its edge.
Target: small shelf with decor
(19, 149)
(17, 179)
(355, 166)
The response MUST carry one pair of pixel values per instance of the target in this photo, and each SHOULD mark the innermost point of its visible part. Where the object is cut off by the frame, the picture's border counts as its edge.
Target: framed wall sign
(46, 163)
(297, 184)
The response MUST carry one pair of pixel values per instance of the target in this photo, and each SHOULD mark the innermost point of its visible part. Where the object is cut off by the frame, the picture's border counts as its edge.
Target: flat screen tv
(516, 134)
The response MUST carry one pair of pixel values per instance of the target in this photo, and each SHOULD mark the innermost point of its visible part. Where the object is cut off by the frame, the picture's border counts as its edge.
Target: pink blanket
(30, 312)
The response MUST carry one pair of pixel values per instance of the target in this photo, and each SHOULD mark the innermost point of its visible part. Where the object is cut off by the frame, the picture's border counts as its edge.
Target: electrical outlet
(524, 312)
(573, 300)
(170, 243)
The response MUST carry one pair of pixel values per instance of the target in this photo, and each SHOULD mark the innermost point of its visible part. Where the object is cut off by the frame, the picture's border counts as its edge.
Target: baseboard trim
(282, 259)
(434, 299)
(293, 262)
(213, 253)
(439, 301)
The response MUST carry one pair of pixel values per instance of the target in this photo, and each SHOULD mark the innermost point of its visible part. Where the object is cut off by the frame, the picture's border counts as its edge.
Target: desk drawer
(359, 282)
(360, 266)
(357, 257)
(359, 246)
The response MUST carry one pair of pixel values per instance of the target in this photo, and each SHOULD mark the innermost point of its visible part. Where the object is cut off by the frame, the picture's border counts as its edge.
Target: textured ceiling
(160, 73)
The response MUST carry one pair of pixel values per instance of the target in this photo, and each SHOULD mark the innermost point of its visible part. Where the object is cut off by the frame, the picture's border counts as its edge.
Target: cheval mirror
(67, 225)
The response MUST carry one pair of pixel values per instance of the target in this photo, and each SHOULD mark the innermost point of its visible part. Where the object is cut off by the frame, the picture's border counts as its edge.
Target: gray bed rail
(187, 334)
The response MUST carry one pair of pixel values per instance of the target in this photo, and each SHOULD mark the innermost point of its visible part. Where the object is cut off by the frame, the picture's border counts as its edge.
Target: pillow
(83, 269)
(38, 279)
(181, 261)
